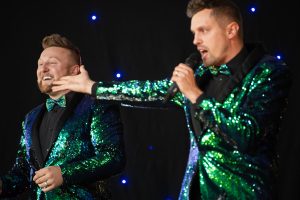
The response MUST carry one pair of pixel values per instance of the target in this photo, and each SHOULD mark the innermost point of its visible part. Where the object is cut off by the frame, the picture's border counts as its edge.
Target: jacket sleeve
(134, 92)
(17, 179)
(246, 114)
(106, 134)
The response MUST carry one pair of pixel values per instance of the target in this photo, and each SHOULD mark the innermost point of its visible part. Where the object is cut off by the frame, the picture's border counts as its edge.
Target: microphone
(192, 61)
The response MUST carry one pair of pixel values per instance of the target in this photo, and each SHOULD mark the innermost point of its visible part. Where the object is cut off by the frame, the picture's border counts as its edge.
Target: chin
(52, 94)
(46, 89)
(206, 64)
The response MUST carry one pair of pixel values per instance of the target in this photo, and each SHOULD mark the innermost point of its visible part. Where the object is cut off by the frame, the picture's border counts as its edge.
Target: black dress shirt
(49, 122)
(215, 84)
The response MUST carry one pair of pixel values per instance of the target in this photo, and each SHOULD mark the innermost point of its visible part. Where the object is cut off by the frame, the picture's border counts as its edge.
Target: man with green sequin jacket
(71, 144)
(233, 104)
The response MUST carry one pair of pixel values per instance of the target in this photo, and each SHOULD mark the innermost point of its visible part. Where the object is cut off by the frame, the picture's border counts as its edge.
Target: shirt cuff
(199, 99)
(94, 89)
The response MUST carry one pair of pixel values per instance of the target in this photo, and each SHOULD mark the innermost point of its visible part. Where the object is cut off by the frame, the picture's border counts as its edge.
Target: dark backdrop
(143, 40)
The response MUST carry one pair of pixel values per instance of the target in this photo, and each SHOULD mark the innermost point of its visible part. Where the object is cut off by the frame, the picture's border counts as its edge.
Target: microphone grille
(194, 60)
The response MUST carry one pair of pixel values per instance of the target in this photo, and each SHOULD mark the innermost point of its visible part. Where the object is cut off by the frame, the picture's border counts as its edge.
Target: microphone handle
(171, 92)
(191, 62)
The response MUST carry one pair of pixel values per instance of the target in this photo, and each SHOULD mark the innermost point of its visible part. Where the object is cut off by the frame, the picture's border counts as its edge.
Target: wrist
(194, 95)
(88, 87)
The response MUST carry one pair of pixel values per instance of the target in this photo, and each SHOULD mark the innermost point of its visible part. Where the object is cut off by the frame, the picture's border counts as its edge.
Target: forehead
(202, 18)
(57, 52)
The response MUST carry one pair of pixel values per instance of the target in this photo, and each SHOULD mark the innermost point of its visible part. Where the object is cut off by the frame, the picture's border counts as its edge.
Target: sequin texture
(232, 154)
(88, 149)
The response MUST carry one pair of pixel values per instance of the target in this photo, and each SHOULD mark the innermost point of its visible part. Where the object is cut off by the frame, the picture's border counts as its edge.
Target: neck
(57, 95)
(236, 48)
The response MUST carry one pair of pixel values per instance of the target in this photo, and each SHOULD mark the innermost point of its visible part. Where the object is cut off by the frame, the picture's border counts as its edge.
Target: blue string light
(150, 148)
(124, 180)
(253, 9)
(94, 16)
(118, 75)
(278, 56)
(168, 198)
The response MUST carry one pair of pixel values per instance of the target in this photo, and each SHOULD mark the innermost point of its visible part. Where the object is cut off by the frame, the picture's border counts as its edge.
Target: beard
(44, 88)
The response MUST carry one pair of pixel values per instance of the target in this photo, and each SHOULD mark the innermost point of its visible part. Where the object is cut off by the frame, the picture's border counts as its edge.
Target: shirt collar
(236, 62)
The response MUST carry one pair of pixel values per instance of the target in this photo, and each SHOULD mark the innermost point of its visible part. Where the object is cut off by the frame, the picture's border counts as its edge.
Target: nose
(43, 67)
(197, 39)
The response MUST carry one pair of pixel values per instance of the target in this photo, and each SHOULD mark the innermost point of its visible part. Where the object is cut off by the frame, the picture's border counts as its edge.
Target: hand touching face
(54, 62)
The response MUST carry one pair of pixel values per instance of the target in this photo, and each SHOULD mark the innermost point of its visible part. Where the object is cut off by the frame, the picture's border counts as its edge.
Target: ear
(232, 30)
(75, 70)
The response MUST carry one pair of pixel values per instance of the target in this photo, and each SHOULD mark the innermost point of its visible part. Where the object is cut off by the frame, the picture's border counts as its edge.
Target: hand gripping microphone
(192, 61)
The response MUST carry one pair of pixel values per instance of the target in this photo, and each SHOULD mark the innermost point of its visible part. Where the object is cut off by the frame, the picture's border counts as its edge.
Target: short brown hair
(56, 40)
(221, 8)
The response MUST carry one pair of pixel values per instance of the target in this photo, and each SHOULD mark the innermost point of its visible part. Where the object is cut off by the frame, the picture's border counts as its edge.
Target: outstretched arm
(182, 75)
(149, 93)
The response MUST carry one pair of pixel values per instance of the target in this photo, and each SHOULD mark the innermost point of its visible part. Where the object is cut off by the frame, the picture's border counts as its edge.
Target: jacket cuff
(199, 100)
(94, 89)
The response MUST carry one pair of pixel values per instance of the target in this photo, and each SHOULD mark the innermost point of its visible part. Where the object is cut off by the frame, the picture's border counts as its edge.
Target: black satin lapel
(65, 116)
(36, 145)
(252, 59)
(228, 86)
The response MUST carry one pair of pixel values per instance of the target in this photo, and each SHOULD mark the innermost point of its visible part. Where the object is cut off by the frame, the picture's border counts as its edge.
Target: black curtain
(143, 40)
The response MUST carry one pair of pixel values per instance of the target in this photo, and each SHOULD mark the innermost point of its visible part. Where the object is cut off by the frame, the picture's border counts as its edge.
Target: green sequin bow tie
(222, 69)
(50, 103)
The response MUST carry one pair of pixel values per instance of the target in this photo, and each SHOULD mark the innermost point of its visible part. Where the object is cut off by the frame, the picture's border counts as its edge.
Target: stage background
(143, 40)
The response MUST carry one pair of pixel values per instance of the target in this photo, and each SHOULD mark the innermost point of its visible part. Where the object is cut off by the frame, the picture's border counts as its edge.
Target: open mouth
(47, 78)
(203, 52)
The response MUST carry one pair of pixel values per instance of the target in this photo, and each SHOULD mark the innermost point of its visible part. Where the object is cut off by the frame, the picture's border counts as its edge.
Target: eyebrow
(50, 58)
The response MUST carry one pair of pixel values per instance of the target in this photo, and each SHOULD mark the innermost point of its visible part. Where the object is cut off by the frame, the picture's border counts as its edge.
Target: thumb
(82, 68)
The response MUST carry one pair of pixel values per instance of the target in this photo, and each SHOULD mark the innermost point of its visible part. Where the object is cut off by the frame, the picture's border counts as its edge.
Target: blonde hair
(56, 40)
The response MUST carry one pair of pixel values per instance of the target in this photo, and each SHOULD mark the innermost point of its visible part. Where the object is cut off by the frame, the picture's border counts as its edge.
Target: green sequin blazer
(88, 146)
(234, 154)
